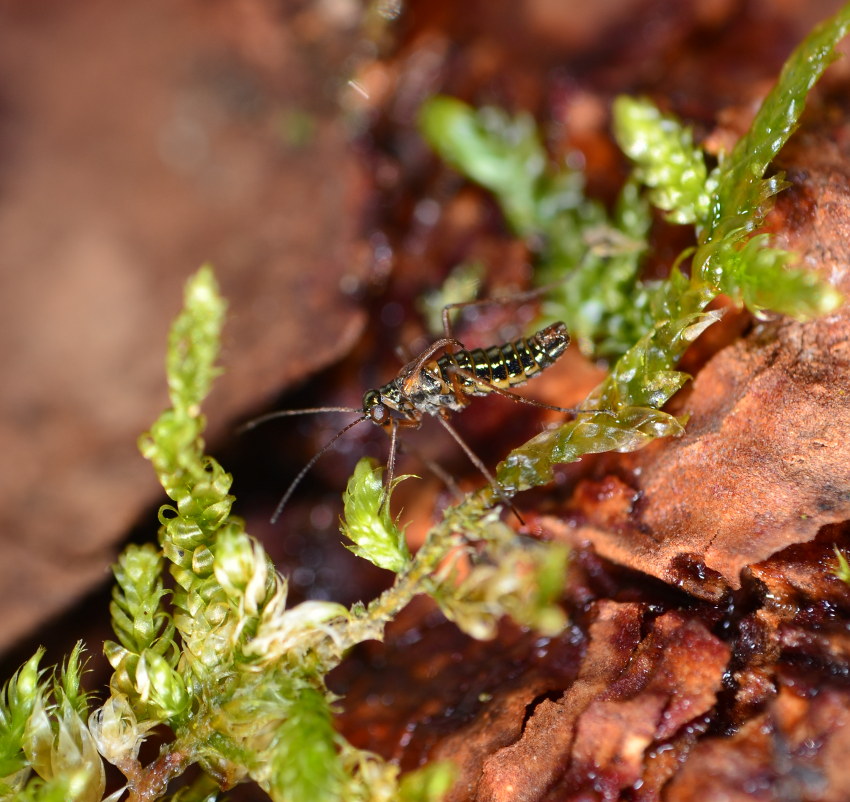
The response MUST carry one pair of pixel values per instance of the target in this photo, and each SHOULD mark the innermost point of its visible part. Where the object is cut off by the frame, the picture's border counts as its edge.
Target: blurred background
(137, 141)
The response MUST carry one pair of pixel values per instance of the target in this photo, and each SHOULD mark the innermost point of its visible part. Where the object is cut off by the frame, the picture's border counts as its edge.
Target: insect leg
(476, 461)
(388, 484)
(414, 369)
(395, 423)
(505, 300)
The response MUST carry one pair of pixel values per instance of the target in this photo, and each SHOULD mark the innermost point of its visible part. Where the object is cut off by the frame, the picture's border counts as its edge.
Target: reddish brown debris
(525, 769)
(796, 750)
(765, 460)
(714, 654)
(633, 695)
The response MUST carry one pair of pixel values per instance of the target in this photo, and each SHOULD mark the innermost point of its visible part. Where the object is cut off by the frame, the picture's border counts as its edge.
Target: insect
(440, 385)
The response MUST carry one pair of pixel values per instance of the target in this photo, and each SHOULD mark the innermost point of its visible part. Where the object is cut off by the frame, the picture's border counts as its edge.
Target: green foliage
(17, 702)
(665, 158)
(592, 267)
(501, 153)
(303, 759)
(145, 632)
(248, 672)
(138, 616)
(47, 748)
(428, 784)
(460, 286)
(647, 324)
(741, 189)
(629, 399)
(842, 568)
(741, 266)
(367, 522)
(592, 257)
(596, 258)
(235, 674)
(512, 576)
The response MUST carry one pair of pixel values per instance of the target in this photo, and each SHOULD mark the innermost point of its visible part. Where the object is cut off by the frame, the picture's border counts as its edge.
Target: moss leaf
(367, 521)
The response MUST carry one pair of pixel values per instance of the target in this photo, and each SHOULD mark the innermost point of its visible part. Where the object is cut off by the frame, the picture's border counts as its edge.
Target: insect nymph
(428, 386)
(439, 385)
(435, 386)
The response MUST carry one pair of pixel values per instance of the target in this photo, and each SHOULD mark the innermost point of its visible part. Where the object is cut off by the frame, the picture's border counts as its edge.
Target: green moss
(593, 256)
(367, 522)
(665, 158)
(842, 567)
(644, 326)
(236, 674)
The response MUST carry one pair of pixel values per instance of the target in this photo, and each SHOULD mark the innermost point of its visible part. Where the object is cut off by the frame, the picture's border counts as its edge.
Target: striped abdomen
(505, 365)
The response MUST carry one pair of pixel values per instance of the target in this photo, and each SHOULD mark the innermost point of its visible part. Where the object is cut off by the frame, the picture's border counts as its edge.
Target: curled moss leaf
(244, 570)
(159, 685)
(665, 157)
(305, 633)
(139, 619)
(367, 521)
(116, 730)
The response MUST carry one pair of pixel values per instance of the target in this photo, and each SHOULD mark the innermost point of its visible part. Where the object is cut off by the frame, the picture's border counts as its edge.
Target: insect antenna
(303, 472)
(283, 413)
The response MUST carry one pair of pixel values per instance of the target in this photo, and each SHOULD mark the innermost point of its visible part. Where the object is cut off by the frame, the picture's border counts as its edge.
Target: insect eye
(379, 413)
(371, 399)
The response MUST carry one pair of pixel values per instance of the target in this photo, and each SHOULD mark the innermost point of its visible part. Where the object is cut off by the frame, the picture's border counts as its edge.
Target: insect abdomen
(507, 365)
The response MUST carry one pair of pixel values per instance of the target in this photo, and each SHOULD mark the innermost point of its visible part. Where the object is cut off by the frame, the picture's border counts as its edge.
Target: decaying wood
(765, 460)
(709, 652)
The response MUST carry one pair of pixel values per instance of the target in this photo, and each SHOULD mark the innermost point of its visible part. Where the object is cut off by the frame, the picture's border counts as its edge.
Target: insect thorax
(432, 392)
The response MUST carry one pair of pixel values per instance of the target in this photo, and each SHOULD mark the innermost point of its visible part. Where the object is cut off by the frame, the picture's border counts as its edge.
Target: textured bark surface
(765, 461)
(709, 647)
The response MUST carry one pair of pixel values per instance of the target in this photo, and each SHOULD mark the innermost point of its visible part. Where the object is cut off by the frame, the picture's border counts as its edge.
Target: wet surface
(708, 651)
